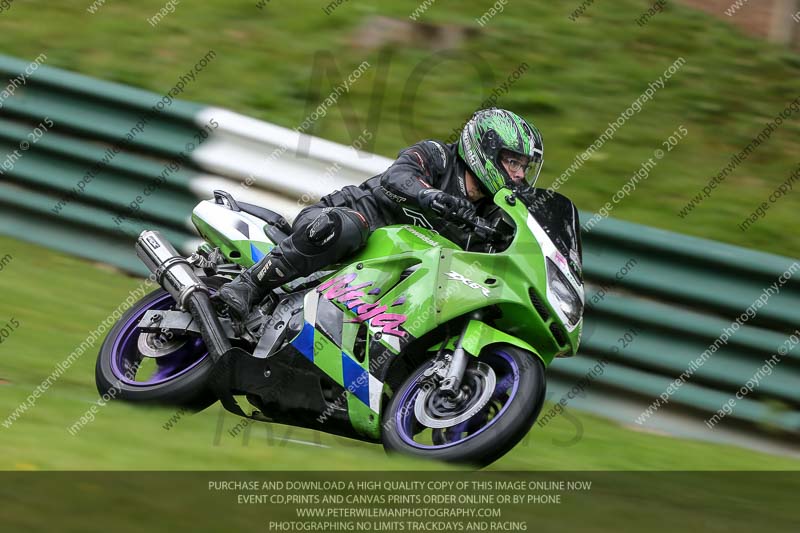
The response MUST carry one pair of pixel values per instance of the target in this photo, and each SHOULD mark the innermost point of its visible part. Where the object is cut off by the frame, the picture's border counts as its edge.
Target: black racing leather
(428, 164)
(425, 165)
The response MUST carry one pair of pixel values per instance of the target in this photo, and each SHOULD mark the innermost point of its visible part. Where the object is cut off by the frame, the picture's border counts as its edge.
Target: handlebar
(482, 228)
(438, 207)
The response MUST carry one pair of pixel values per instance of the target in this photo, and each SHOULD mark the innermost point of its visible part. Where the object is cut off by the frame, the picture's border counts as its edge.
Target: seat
(270, 217)
(276, 228)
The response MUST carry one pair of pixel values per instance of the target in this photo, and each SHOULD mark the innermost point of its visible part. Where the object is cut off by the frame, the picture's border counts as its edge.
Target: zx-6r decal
(455, 276)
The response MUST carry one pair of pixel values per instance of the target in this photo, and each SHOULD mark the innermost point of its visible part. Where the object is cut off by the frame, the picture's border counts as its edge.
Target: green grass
(57, 300)
(581, 75)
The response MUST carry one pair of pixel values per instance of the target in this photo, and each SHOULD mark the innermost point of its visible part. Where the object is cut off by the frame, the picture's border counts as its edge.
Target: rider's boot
(256, 282)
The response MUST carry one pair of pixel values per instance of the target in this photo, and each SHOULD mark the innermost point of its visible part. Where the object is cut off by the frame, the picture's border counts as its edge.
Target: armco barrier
(676, 298)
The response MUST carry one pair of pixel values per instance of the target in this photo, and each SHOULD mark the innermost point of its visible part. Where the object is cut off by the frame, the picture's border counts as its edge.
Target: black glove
(446, 206)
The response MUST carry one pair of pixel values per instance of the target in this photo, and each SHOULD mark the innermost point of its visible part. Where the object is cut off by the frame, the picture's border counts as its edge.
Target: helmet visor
(523, 170)
(532, 172)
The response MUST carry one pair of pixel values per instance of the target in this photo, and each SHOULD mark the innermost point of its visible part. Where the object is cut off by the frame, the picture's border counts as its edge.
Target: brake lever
(439, 208)
(487, 232)
(481, 226)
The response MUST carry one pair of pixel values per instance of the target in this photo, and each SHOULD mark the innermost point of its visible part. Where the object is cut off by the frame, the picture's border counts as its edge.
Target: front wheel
(501, 395)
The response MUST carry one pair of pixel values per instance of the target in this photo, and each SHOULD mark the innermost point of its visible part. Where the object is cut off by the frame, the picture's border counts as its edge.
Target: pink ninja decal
(340, 290)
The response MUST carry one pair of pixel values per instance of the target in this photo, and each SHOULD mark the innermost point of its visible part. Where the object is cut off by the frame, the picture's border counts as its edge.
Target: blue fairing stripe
(355, 378)
(256, 253)
(304, 343)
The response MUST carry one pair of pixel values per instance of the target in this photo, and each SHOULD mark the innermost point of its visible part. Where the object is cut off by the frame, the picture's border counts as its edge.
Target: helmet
(487, 134)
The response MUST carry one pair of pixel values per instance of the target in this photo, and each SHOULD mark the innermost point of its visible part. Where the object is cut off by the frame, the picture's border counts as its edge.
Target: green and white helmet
(491, 131)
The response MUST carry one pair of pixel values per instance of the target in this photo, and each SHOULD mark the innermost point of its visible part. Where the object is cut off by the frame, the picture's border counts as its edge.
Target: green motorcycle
(431, 349)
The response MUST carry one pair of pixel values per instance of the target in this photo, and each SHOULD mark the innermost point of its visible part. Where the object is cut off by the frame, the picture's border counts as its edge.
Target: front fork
(450, 368)
(447, 370)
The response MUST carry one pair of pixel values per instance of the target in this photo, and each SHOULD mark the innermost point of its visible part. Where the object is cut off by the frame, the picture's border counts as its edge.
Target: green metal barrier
(81, 229)
(694, 272)
(57, 163)
(679, 297)
(99, 109)
(75, 188)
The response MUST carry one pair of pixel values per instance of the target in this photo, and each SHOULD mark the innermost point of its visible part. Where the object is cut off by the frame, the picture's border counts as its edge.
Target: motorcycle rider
(497, 148)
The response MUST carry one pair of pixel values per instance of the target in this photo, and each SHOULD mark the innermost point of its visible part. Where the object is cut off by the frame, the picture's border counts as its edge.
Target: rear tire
(520, 378)
(114, 369)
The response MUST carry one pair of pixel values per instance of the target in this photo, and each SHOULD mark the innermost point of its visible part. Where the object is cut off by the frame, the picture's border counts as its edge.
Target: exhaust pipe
(174, 273)
(171, 270)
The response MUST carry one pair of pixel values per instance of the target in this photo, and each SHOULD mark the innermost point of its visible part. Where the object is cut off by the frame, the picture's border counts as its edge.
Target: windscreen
(559, 218)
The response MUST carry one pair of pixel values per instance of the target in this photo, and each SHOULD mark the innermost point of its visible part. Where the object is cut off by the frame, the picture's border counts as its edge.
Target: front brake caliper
(438, 369)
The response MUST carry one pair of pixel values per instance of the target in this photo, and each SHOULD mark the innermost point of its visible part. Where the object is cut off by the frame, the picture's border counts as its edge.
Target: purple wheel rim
(126, 358)
(405, 419)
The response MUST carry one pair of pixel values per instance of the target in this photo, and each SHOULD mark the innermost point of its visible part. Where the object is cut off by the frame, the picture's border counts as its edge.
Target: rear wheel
(501, 395)
(154, 367)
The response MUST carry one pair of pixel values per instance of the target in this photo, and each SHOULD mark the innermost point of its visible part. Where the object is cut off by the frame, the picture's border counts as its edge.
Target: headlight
(567, 298)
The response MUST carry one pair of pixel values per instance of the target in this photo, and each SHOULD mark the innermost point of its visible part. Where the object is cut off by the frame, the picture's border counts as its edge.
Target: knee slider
(331, 236)
(323, 230)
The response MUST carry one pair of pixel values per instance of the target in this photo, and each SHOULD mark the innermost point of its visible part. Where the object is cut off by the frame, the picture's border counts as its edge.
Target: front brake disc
(153, 344)
(435, 410)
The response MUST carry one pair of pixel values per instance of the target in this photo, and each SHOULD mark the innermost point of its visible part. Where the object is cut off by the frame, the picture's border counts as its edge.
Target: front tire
(179, 378)
(505, 403)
